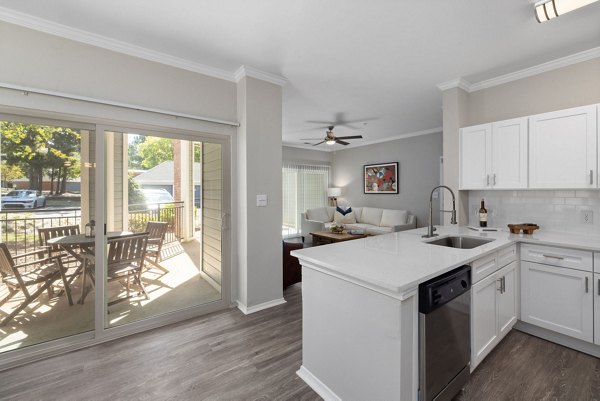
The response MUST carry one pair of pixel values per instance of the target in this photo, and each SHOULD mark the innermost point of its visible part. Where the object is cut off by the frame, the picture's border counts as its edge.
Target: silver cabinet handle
(599, 286)
(494, 179)
(591, 177)
(587, 284)
(553, 256)
(500, 281)
(487, 180)
(503, 284)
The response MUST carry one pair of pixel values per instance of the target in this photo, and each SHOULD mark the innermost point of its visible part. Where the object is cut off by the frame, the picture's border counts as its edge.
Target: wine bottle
(482, 215)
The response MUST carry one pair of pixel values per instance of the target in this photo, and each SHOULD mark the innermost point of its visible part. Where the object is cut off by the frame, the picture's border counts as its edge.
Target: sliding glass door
(48, 171)
(164, 215)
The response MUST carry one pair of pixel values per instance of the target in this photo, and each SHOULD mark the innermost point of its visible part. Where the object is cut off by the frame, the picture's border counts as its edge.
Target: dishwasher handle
(443, 289)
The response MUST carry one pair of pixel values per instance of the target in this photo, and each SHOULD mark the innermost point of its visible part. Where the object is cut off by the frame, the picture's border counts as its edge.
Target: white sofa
(373, 221)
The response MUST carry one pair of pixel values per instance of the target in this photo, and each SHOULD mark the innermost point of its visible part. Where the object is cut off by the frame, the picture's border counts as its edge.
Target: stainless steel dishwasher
(444, 335)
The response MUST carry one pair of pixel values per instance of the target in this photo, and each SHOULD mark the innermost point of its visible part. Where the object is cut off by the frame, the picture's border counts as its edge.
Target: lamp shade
(334, 192)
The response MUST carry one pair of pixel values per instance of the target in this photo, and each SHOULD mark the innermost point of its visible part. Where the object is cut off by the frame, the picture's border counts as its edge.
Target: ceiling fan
(331, 139)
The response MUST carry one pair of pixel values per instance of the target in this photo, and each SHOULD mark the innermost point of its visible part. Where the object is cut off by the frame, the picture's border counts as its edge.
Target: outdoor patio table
(70, 243)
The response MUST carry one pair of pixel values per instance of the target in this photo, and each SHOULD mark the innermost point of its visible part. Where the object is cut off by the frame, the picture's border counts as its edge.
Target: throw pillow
(344, 211)
(344, 216)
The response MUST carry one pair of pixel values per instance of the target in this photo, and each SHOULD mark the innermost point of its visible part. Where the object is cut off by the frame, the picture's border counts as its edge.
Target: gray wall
(419, 165)
(306, 156)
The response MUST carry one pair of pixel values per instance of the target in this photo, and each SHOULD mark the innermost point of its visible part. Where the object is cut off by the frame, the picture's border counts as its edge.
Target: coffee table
(328, 237)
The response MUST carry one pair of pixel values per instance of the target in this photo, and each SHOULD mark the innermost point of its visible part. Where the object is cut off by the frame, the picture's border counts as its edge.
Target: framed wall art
(381, 178)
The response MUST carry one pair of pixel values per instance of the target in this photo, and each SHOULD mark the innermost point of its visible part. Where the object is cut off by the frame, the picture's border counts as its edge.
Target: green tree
(40, 148)
(11, 172)
(154, 150)
(134, 157)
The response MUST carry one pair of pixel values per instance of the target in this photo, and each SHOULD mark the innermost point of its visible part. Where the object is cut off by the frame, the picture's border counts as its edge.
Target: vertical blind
(304, 187)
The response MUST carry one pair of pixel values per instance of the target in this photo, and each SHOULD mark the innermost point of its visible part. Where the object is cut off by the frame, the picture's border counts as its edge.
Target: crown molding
(437, 130)
(53, 28)
(455, 83)
(246, 71)
(566, 61)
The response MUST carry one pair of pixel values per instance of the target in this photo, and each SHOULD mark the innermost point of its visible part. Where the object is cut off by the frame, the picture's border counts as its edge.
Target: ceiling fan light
(330, 142)
(546, 10)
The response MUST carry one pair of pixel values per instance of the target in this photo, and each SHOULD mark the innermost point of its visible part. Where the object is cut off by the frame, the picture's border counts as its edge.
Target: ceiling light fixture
(545, 10)
(330, 142)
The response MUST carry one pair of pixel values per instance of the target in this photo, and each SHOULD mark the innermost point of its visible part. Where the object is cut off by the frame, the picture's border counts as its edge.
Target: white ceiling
(372, 61)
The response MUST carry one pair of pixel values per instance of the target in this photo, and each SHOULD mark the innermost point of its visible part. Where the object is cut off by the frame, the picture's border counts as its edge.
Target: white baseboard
(317, 385)
(265, 305)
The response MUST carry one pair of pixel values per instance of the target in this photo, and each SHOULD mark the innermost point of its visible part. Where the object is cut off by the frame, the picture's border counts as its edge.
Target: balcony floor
(47, 319)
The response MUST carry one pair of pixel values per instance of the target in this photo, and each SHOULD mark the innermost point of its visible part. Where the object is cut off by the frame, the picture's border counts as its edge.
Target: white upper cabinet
(494, 156)
(563, 149)
(475, 156)
(509, 154)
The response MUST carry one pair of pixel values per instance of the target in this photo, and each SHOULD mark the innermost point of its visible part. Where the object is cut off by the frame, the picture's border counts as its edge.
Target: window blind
(304, 187)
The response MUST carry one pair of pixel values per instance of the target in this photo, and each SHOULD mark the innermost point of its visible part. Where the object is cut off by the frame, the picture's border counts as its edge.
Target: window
(304, 187)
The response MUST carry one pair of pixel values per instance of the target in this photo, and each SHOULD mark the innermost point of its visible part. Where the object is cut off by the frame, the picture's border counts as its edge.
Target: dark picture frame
(381, 178)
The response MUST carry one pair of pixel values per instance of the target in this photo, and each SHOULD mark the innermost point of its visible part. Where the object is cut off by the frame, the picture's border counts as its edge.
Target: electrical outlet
(587, 217)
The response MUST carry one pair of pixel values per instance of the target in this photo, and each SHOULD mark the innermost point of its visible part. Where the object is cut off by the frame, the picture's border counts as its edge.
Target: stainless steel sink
(460, 242)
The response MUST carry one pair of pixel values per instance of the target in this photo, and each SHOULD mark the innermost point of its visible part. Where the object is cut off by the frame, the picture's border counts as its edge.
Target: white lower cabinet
(507, 301)
(558, 299)
(493, 311)
(597, 308)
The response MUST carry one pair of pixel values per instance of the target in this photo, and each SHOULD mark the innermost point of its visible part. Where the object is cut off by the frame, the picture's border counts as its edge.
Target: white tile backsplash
(552, 210)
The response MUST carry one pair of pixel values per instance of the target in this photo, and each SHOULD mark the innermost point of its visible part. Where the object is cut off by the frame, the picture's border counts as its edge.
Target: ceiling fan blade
(319, 143)
(311, 139)
(337, 140)
(350, 137)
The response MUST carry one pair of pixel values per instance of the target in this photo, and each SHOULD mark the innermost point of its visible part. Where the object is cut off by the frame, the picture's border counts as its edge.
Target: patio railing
(19, 230)
(170, 212)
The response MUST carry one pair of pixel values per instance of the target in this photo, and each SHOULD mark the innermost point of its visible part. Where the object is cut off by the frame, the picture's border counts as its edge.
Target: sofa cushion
(347, 218)
(371, 215)
(319, 214)
(391, 218)
(357, 212)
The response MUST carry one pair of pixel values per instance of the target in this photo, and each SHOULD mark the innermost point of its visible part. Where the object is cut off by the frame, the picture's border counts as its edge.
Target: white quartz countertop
(398, 262)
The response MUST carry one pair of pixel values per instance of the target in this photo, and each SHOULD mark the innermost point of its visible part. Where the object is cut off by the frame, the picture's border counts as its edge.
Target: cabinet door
(597, 308)
(509, 154)
(484, 313)
(475, 156)
(558, 299)
(507, 299)
(562, 149)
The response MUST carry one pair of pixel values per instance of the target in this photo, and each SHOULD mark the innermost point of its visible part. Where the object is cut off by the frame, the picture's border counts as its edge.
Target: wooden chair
(126, 260)
(156, 231)
(44, 234)
(45, 271)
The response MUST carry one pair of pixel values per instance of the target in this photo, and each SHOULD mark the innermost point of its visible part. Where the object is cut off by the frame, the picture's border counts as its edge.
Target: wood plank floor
(229, 356)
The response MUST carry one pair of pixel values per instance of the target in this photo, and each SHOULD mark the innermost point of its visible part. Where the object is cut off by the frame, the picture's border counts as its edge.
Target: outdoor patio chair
(125, 261)
(156, 231)
(44, 272)
(44, 234)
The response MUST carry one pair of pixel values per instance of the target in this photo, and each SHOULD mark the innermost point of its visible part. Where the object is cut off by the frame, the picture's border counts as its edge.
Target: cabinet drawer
(507, 255)
(483, 267)
(555, 256)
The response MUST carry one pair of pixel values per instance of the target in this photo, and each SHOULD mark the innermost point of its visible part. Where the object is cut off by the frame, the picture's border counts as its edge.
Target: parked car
(154, 197)
(23, 199)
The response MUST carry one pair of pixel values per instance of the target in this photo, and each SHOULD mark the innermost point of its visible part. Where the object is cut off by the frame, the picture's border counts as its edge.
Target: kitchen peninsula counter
(360, 306)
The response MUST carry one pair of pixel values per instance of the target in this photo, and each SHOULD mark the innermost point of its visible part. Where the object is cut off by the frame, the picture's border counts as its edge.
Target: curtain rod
(27, 90)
